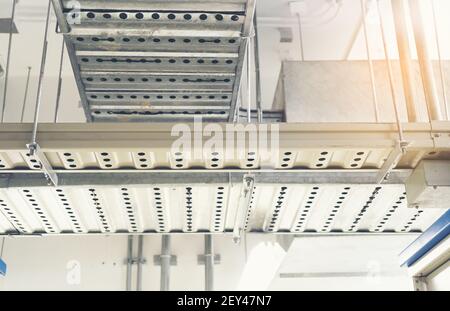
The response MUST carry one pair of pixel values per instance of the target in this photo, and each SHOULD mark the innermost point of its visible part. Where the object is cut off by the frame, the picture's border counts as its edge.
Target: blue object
(426, 241)
(2, 267)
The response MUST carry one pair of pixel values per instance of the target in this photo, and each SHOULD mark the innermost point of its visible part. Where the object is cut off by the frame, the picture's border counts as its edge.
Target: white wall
(48, 263)
(98, 263)
(356, 263)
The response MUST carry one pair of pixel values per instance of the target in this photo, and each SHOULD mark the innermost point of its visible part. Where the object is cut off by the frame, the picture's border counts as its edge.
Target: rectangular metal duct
(429, 185)
(340, 91)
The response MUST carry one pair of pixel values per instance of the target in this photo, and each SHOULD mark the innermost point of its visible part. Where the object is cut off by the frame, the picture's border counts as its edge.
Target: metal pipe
(140, 260)
(249, 81)
(426, 66)
(209, 263)
(369, 60)
(401, 30)
(41, 76)
(11, 23)
(390, 74)
(441, 64)
(22, 114)
(257, 72)
(129, 262)
(165, 262)
(58, 92)
(300, 35)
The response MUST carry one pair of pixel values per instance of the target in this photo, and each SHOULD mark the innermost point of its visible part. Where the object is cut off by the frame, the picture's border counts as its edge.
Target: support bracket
(392, 161)
(201, 259)
(47, 169)
(136, 260)
(243, 207)
(157, 260)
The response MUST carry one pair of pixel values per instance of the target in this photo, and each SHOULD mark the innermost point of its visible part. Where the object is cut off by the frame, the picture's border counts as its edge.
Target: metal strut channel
(243, 207)
(156, 62)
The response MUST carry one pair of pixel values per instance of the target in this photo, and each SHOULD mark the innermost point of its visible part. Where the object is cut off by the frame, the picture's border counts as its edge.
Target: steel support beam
(143, 178)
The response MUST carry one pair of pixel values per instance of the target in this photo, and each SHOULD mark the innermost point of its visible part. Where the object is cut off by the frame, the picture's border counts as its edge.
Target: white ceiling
(327, 34)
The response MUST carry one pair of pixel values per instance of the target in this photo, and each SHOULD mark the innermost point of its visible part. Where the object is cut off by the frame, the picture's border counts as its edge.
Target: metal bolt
(237, 240)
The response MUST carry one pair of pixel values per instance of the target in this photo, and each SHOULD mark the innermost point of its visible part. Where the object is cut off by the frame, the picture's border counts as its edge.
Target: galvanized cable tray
(268, 116)
(125, 178)
(319, 146)
(166, 205)
(136, 60)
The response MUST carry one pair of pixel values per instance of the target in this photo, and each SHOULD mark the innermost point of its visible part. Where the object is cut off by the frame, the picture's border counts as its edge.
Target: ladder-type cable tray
(157, 60)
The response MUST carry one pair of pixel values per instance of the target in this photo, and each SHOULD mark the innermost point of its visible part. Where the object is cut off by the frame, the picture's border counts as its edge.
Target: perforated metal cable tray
(137, 61)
